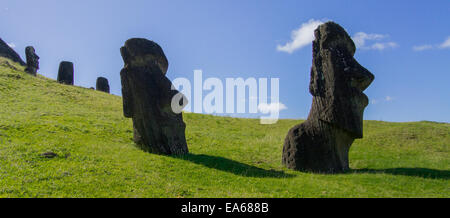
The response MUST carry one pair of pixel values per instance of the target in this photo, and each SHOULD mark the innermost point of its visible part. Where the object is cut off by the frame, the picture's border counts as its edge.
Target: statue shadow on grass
(231, 166)
(417, 172)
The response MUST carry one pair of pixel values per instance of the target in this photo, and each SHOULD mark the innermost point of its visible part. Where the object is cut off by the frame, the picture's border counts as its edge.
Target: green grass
(230, 157)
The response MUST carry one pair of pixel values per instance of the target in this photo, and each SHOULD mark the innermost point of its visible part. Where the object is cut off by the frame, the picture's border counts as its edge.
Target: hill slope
(229, 157)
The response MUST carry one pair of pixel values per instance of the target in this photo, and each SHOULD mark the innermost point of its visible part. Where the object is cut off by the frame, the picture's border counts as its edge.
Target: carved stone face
(139, 52)
(31, 56)
(338, 80)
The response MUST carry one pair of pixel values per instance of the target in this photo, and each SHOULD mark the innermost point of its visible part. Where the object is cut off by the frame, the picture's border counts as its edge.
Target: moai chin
(147, 97)
(65, 73)
(32, 60)
(322, 142)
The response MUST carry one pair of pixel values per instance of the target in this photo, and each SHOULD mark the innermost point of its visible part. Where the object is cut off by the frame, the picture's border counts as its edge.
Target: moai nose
(361, 78)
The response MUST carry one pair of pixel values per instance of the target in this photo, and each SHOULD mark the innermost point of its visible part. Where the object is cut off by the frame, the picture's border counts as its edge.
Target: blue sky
(403, 43)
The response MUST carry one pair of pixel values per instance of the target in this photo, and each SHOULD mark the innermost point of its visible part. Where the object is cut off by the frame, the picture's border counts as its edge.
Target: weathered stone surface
(8, 52)
(32, 60)
(147, 97)
(65, 73)
(322, 142)
(139, 52)
(102, 84)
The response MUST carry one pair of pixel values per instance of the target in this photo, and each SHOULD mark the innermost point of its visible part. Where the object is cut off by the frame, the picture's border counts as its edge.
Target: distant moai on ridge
(65, 73)
(147, 97)
(102, 84)
(32, 60)
(322, 142)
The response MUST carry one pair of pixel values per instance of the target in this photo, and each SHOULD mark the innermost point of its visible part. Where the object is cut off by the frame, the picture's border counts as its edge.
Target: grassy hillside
(229, 157)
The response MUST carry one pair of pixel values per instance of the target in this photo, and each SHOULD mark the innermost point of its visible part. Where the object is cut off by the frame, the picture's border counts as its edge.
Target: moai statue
(32, 60)
(150, 100)
(322, 142)
(65, 73)
(102, 84)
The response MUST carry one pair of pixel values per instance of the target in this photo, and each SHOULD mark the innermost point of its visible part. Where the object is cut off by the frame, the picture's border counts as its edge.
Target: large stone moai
(65, 73)
(32, 60)
(147, 98)
(102, 84)
(322, 142)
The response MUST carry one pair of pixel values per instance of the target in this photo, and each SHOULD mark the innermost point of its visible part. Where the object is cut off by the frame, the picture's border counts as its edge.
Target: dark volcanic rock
(143, 52)
(7, 52)
(49, 154)
(32, 60)
(322, 142)
(65, 73)
(147, 99)
(102, 84)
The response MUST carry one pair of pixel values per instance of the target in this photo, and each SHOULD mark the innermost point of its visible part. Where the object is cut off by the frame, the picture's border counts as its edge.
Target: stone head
(338, 80)
(30, 50)
(139, 52)
(31, 56)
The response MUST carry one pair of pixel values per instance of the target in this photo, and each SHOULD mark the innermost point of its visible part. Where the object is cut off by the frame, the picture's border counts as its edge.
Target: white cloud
(271, 108)
(385, 99)
(304, 35)
(361, 39)
(381, 46)
(422, 47)
(445, 44)
(11, 44)
(300, 37)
